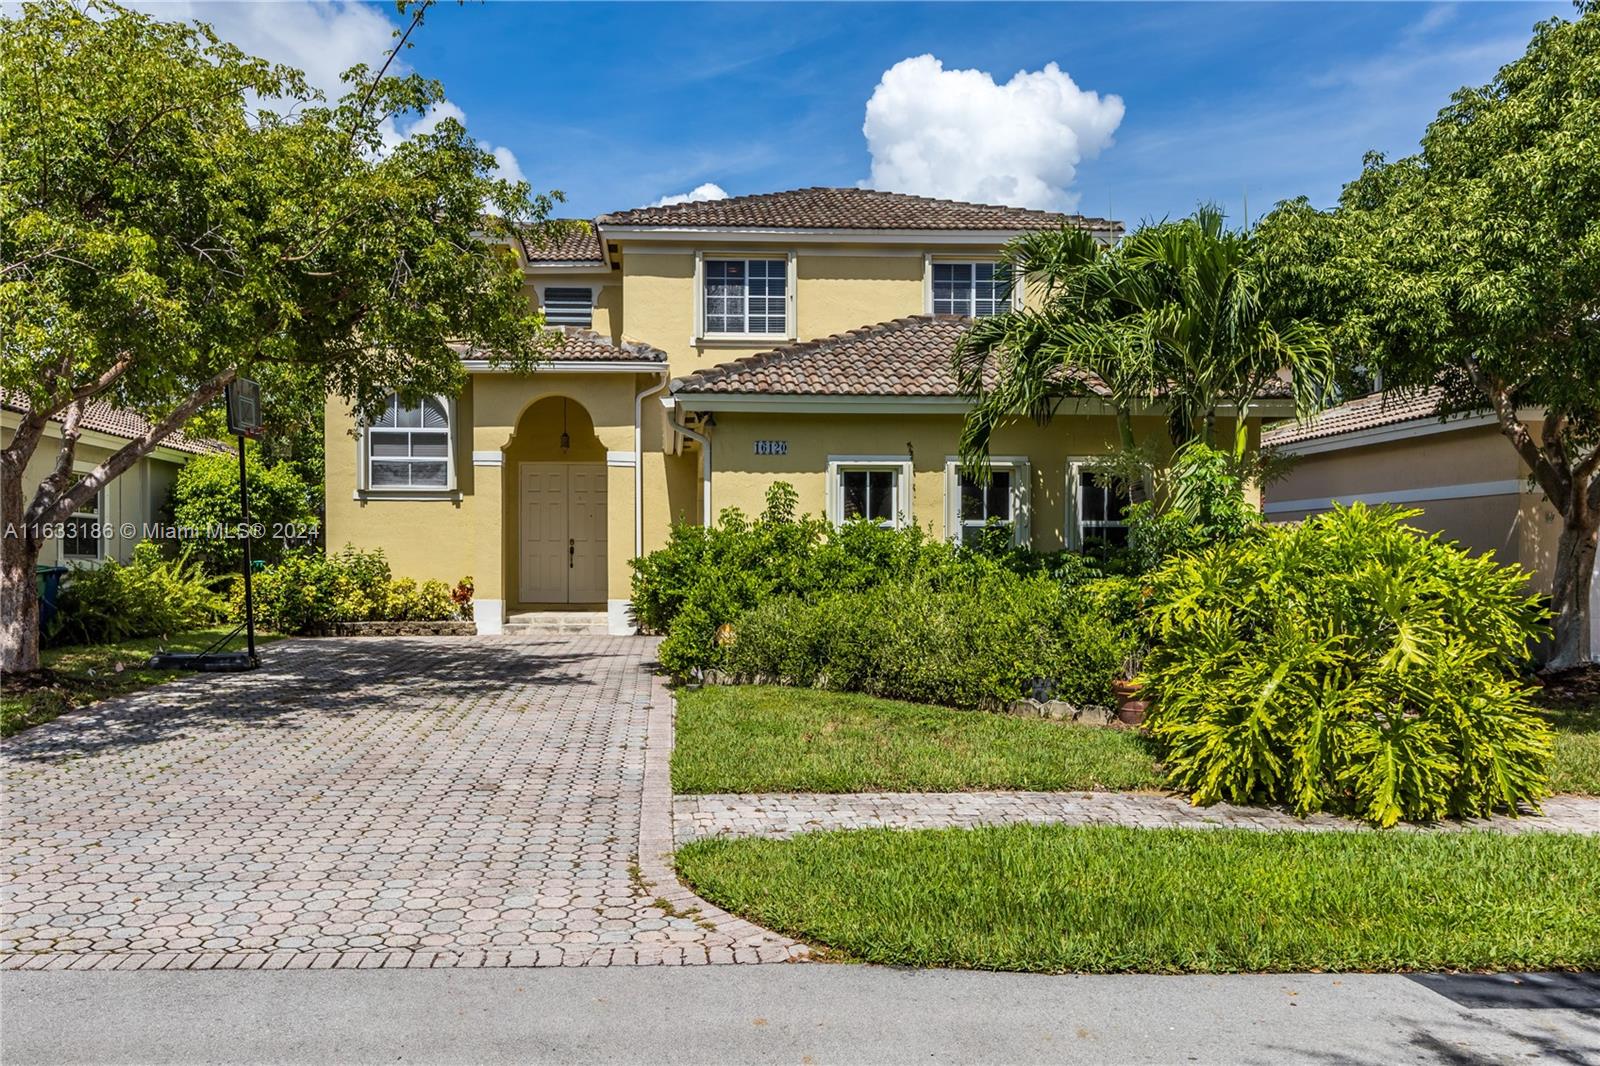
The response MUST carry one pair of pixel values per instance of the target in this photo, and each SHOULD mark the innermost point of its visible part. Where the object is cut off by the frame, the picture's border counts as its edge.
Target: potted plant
(1126, 690)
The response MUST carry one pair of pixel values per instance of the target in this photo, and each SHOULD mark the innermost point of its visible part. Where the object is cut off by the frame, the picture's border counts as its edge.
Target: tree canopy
(1475, 265)
(174, 213)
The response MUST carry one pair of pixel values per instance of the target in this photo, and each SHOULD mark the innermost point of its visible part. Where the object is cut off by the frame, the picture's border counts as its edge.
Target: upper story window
(409, 447)
(1101, 512)
(569, 306)
(970, 289)
(80, 533)
(746, 296)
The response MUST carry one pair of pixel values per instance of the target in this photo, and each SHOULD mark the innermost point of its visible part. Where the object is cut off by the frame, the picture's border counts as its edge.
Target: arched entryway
(555, 470)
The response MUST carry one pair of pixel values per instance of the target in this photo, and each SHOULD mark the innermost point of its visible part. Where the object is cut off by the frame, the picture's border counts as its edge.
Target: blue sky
(621, 104)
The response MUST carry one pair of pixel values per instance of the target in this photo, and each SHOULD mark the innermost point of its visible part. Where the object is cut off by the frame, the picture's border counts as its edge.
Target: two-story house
(711, 350)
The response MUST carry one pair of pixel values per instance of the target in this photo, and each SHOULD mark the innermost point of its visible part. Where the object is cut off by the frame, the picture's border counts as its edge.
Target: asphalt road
(789, 1014)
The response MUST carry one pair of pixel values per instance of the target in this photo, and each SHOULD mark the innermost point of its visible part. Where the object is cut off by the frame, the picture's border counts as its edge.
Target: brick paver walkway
(361, 803)
(780, 815)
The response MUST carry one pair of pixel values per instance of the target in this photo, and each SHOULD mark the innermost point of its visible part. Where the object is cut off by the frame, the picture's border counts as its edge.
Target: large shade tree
(1475, 265)
(174, 213)
(1176, 317)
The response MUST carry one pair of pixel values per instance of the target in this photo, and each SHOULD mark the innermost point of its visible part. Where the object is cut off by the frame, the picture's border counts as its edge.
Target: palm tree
(1176, 313)
(1027, 362)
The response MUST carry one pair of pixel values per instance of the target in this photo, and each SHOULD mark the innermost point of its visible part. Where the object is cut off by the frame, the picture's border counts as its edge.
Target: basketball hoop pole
(249, 600)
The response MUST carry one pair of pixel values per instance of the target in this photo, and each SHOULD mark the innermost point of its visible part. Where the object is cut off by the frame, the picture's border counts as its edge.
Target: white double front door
(563, 529)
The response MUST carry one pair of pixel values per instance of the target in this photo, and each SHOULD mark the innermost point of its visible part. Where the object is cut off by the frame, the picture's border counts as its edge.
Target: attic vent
(569, 306)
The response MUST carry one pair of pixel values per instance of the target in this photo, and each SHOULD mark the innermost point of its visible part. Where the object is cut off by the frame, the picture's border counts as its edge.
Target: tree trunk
(19, 591)
(1137, 492)
(1569, 596)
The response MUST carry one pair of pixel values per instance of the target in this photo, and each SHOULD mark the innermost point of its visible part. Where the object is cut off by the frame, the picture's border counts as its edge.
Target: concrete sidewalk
(783, 814)
(790, 1014)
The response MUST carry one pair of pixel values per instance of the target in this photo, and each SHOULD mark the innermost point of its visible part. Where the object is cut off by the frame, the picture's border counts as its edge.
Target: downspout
(705, 454)
(638, 463)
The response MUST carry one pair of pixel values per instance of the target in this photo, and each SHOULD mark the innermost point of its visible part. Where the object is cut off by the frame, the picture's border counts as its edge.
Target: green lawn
(762, 739)
(80, 674)
(1572, 707)
(1108, 899)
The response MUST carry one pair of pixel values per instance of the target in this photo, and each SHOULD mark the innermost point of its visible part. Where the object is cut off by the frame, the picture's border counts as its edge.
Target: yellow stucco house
(712, 349)
(127, 510)
(1394, 448)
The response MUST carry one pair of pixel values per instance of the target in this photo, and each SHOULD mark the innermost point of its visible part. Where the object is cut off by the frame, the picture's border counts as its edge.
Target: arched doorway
(555, 467)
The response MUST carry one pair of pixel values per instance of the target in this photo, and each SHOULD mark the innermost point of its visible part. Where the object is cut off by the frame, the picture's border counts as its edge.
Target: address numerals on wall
(772, 447)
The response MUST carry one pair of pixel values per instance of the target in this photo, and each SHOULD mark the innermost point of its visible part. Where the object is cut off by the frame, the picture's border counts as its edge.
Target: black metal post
(249, 600)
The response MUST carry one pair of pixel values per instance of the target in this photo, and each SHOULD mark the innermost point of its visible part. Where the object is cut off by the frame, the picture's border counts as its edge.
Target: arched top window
(409, 447)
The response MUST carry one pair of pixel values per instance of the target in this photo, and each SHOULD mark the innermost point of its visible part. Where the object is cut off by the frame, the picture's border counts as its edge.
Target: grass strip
(1060, 899)
(765, 739)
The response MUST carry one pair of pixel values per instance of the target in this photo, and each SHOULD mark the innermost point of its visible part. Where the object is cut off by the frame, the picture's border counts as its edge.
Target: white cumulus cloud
(699, 194)
(324, 40)
(958, 134)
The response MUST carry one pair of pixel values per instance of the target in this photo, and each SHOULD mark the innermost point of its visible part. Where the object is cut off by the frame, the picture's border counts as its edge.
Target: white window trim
(364, 489)
(102, 503)
(1074, 523)
(789, 333)
(557, 283)
(929, 259)
(901, 464)
(1021, 496)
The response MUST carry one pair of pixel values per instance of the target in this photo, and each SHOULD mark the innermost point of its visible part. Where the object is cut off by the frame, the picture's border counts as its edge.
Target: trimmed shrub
(706, 578)
(981, 643)
(1347, 663)
(308, 590)
(295, 596)
(1015, 614)
(148, 596)
(205, 497)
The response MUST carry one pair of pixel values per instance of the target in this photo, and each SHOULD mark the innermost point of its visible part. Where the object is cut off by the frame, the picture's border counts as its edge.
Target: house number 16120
(772, 447)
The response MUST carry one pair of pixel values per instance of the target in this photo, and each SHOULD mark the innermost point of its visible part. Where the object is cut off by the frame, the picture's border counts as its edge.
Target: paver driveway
(409, 801)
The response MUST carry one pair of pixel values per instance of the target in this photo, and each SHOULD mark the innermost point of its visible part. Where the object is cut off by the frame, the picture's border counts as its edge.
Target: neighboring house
(1461, 471)
(711, 350)
(130, 503)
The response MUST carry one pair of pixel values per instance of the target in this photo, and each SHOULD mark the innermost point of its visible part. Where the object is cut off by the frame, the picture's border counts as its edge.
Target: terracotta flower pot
(1130, 708)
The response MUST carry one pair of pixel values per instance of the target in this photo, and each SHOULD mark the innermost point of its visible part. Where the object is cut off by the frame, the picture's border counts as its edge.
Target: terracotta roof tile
(574, 242)
(845, 208)
(119, 422)
(586, 346)
(1368, 412)
(904, 357)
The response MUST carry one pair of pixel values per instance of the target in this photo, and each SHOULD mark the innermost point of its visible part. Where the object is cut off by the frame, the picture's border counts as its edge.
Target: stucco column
(487, 547)
(620, 473)
(487, 518)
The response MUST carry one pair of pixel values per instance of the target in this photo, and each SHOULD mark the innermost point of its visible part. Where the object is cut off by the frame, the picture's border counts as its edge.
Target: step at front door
(563, 531)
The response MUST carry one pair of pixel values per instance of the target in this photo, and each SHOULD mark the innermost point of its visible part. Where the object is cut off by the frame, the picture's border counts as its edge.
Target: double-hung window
(408, 447)
(80, 533)
(746, 297)
(982, 504)
(878, 490)
(1101, 511)
(569, 306)
(973, 506)
(970, 289)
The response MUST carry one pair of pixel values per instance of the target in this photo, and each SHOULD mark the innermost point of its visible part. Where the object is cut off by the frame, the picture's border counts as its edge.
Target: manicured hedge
(309, 591)
(982, 642)
(894, 612)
